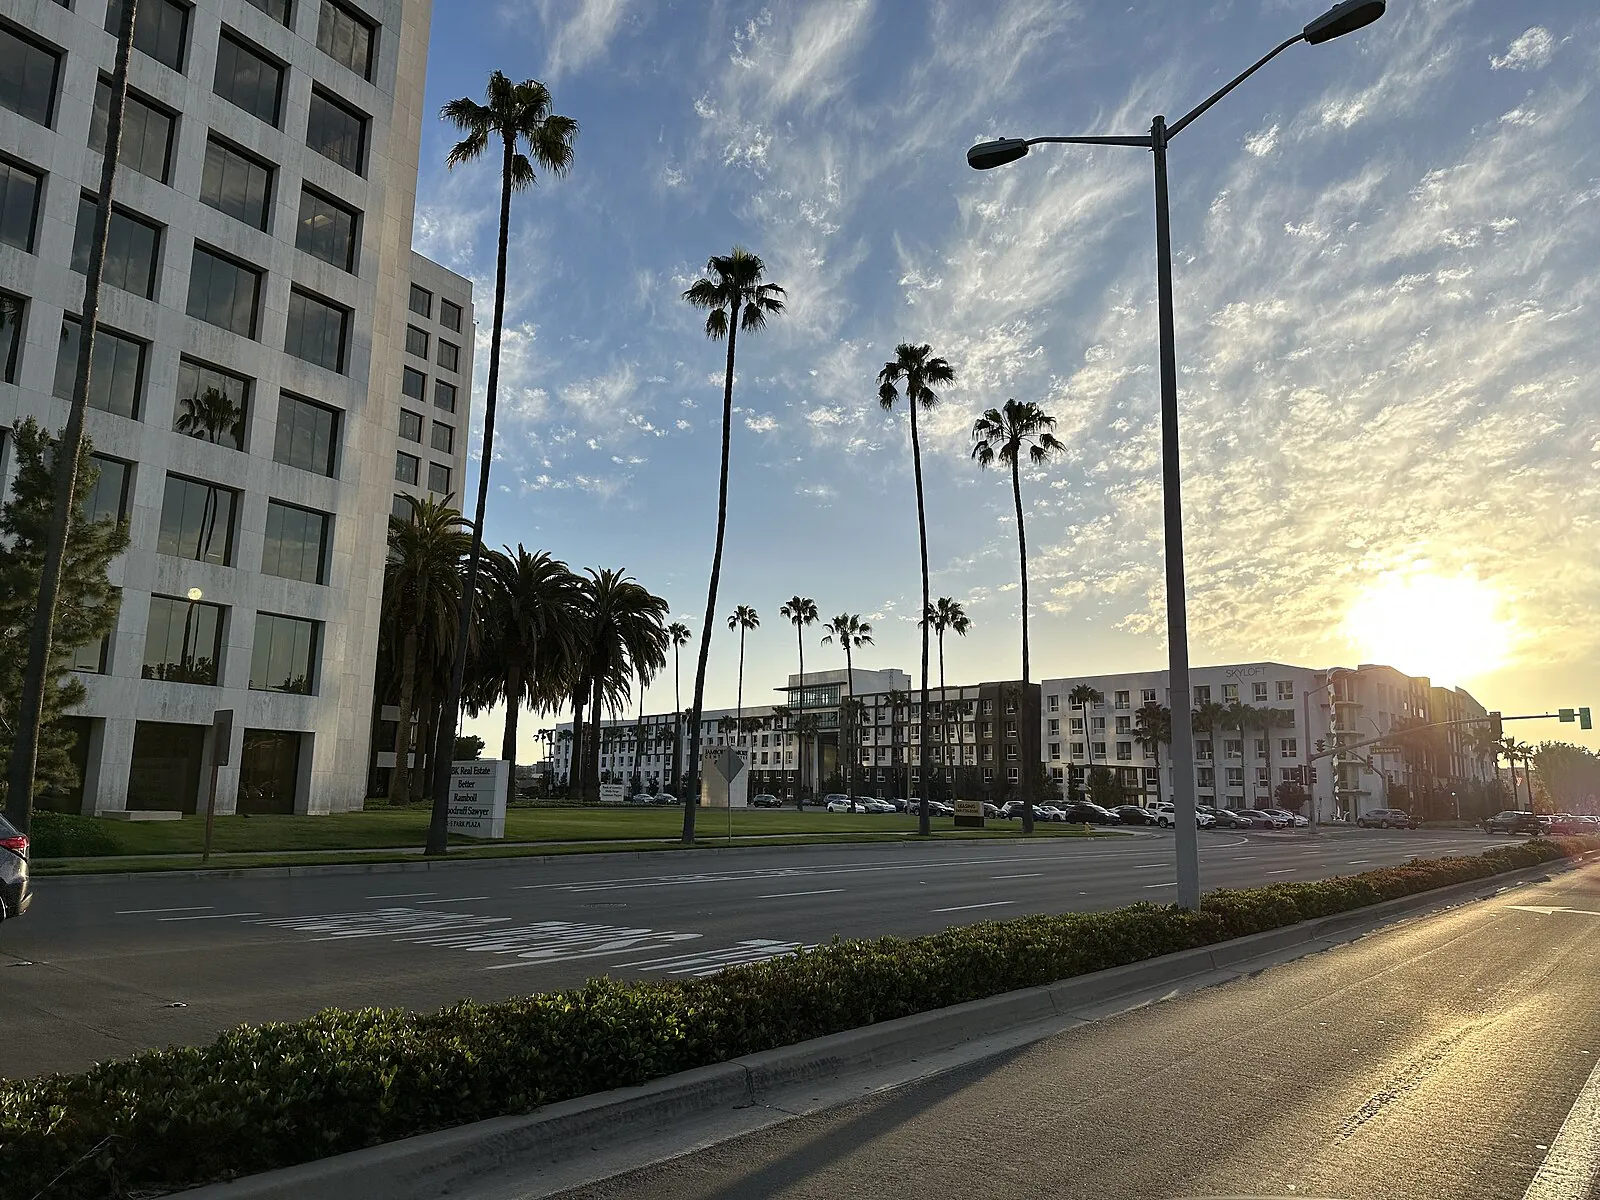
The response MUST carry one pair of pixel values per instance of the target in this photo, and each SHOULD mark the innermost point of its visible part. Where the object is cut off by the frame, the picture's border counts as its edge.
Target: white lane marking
(1571, 1168)
(1281, 871)
(1541, 909)
(965, 907)
(1030, 875)
(211, 917)
(401, 895)
(453, 900)
(1358, 861)
(133, 912)
(1174, 883)
(787, 895)
(709, 963)
(1148, 866)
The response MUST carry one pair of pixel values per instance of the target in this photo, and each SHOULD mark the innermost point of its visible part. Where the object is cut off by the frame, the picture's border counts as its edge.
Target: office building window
(224, 292)
(1055, 750)
(327, 230)
(336, 131)
(19, 204)
(346, 37)
(1077, 749)
(236, 183)
(1052, 703)
(116, 377)
(91, 657)
(439, 478)
(1264, 777)
(1147, 696)
(1258, 693)
(159, 30)
(278, 10)
(1233, 748)
(212, 404)
(28, 72)
(146, 132)
(1202, 695)
(413, 384)
(296, 544)
(108, 499)
(449, 355)
(1289, 747)
(416, 341)
(405, 467)
(444, 395)
(131, 248)
(421, 301)
(410, 425)
(444, 438)
(400, 508)
(1289, 774)
(1120, 700)
(308, 435)
(317, 330)
(284, 656)
(1124, 724)
(182, 641)
(248, 78)
(197, 521)
(450, 315)
(1097, 749)
(13, 314)
(1206, 777)
(1285, 689)
(1235, 777)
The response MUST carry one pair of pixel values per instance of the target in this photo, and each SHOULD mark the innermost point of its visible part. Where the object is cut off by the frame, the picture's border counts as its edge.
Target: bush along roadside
(268, 1096)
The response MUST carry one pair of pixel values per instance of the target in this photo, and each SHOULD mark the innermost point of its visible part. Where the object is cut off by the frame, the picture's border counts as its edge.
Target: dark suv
(1386, 818)
(1514, 821)
(16, 894)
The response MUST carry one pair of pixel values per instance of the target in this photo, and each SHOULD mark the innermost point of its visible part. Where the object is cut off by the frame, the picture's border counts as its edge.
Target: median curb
(450, 1161)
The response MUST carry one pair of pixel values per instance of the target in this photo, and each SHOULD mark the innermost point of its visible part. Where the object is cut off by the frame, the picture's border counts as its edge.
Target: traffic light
(1585, 721)
(1567, 715)
(1496, 729)
(1313, 771)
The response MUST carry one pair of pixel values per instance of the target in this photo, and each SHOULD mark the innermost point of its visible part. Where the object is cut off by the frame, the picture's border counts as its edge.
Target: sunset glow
(1449, 628)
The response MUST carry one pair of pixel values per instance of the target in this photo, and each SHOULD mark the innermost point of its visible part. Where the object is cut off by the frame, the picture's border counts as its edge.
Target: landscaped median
(274, 1095)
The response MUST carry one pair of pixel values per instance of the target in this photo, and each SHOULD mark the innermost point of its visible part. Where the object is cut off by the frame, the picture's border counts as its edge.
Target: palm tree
(1085, 696)
(678, 634)
(899, 700)
(533, 612)
(945, 615)
(852, 633)
(1207, 719)
(782, 720)
(737, 300)
(744, 619)
(625, 640)
(918, 370)
(1269, 720)
(422, 589)
(800, 611)
(1152, 728)
(518, 116)
(1526, 752)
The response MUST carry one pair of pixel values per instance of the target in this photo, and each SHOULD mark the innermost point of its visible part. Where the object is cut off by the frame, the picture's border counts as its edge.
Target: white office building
(260, 266)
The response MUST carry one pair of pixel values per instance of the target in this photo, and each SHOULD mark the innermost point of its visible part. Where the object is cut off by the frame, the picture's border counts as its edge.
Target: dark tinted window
(91, 656)
(159, 30)
(346, 37)
(13, 311)
(406, 467)
(109, 499)
(116, 375)
(284, 656)
(19, 204)
(131, 249)
(316, 330)
(236, 183)
(197, 521)
(413, 384)
(278, 10)
(327, 230)
(146, 132)
(296, 543)
(182, 641)
(336, 131)
(450, 315)
(444, 395)
(307, 435)
(212, 404)
(400, 508)
(27, 76)
(410, 425)
(438, 478)
(416, 341)
(248, 78)
(449, 356)
(444, 437)
(421, 301)
(224, 292)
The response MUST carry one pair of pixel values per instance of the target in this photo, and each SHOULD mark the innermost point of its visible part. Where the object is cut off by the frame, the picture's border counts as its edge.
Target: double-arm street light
(1341, 19)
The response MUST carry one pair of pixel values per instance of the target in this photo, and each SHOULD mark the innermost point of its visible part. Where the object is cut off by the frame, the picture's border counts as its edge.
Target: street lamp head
(986, 155)
(1345, 17)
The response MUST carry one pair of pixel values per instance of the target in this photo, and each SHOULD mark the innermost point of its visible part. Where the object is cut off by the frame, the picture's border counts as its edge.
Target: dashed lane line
(134, 912)
(967, 907)
(787, 895)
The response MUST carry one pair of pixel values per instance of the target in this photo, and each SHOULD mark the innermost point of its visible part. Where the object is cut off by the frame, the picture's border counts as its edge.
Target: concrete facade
(319, 737)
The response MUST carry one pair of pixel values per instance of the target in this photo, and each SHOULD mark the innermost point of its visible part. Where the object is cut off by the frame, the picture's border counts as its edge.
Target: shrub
(65, 835)
(267, 1096)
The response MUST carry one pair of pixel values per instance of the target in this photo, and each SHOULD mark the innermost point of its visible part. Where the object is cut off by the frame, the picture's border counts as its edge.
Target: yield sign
(728, 765)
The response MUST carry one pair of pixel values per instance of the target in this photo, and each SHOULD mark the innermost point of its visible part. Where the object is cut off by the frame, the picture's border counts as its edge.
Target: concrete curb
(449, 1161)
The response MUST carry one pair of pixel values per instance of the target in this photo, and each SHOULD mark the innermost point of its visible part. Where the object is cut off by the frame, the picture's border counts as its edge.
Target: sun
(1447, 628)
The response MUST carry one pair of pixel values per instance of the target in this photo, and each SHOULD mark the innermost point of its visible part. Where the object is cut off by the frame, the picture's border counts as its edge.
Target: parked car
(1386, 818)
(1228, 818)
(872, 804)
(938, 808)
(1048, 812)
(16, 892)
(666, 798)
(990, 810)
(642, 798)
(1086, 812)
(765, 800)
(1515, 821)
(834, 798)
(1274, 820)
(1295, 819)
(1564, 823)
(899, 803)
(1134, 814)
(1166, 815)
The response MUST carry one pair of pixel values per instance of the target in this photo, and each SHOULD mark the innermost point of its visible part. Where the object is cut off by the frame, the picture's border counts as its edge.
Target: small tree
(1105, 789)
(468, 746)
(86, 606)
(1290, 795)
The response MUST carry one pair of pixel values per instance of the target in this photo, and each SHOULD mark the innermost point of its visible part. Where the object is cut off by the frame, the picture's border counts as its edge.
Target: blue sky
(1387, 253)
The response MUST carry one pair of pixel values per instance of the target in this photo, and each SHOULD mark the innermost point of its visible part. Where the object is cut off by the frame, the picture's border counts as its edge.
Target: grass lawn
(389, 828)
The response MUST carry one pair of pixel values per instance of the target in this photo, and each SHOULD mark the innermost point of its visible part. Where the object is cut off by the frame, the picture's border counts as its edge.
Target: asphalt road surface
(1453, 1057)
(101, 969)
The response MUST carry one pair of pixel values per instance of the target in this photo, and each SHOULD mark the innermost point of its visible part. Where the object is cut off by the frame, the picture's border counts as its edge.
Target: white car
(839, 804)
(1048, 812)
(872, 804)
(1166, 815)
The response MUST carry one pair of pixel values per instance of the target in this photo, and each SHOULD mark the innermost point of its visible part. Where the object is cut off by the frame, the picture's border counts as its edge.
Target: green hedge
(272, 1095)
(64, 835)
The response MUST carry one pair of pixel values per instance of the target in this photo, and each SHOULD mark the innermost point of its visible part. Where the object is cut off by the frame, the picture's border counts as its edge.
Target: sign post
(969, 814)
(611, 793)
(221, 749)
(478, 797)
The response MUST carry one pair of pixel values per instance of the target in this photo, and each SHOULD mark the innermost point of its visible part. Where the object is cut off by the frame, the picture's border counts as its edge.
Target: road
(1451, 1056)
(102, 969)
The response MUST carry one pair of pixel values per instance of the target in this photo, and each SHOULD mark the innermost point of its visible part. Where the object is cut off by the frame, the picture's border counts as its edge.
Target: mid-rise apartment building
(255, 402)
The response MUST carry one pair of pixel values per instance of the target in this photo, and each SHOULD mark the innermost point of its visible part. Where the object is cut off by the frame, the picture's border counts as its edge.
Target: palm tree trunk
(438, 834)
(400, 777)
(597, 730)
(944, 716)
(508, 741)
(427, 724)
(636, 776)
(846, 742)
(677, 721)
(923, 826)
(691, 800)
(799, 726)
(575, 773)
(738, 704)
(1028, 762)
